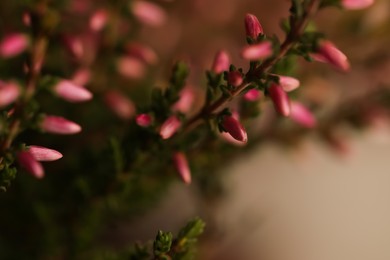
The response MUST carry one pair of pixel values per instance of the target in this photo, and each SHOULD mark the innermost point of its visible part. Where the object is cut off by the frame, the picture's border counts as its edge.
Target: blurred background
(291, 194)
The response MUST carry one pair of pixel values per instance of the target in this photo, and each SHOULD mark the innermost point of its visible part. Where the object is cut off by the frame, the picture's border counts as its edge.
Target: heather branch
(37, 56)
(297, 28)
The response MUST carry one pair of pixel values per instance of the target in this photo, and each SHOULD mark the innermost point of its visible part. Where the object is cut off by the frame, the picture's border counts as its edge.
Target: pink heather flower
(235, 78)
(75, 46)
(234, 128)
(252, 26)
(28, 162)
(252, 95)
(148, 13)
(221, 62)
(302, 115)
(328, 53)
(13, 45)
(182, 167)
(81, 77)
(59, 125)
(280, 99)
(143, 120)
(356, 4)
(131, 67)
(142, 52)
(98, 20)
(26, 19)
(169, 127)
(288, 83)
(71, 92)
(9, 92)
(257, 51)
(186, 100)
(44, 154)
(122, 106)
(228, 138)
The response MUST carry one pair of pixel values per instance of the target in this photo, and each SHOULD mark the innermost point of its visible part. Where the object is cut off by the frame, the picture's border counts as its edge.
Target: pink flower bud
(288, 83)
(148, 13)
(252, 26)
(280, 99)
(81, 77)
(356, 4)
(142, 52)
(59, 125)
(44, 154)
(75, 46)
(98, 20)
(122, 106)
(9, 92)
(228, 138)
(258, 51)
(328, 53)
(70, 92)
(252, 95)
(169, 127)
(13, 45)
(26, 19)
(234, 128)
(28, 162)
(143, 120)
(235, 78)
(131, 67)
(182, 167)
(186, 100)
(221, 62)
(302, 115)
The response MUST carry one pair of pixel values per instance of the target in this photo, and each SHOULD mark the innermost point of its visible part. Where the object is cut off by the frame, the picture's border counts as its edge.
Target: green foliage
(162, 244)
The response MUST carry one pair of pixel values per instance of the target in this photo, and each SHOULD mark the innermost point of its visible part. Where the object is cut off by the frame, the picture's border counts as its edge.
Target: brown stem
(288, 43)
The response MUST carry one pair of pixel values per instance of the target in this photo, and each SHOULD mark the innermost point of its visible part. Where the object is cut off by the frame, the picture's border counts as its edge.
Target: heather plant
(76, 87)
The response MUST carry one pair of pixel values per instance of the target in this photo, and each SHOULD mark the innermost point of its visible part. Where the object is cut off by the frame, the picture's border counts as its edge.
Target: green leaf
(162, 244)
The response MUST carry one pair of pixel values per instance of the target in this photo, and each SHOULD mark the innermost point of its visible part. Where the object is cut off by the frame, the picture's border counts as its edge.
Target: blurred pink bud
(258, 51)
(143, 120)
(328, 53)
(122, 106)
(13, 45)
(28, 162)
(252, 26)
(186, 100)
(142, 52)
(288, 83)
(9, 92)
(130, 67)
(59, 125)
(26, 19)
(98, 20)
(234, 128)
(182, 167)
(81, 77)
(280, 99)
(44, 154)
(221, 62)
(75, 46)
(169, 127)
(252, 95)
(71, 92)
(302, 115)
(235, 78)
(148, 13)
(356, 4)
